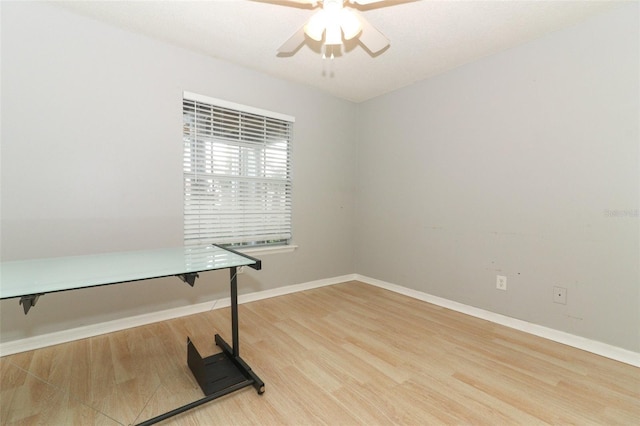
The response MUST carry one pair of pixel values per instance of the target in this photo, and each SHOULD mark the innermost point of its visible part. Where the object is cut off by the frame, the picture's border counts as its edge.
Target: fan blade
(294, 42)
(300, 4)
(371, 38)
(313, 3)
(365, 2)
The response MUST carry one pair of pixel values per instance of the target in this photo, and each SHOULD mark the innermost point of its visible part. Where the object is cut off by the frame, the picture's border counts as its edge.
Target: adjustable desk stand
(217, 375)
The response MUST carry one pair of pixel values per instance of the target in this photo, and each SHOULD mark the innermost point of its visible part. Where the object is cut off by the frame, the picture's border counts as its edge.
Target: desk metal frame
(217, 375)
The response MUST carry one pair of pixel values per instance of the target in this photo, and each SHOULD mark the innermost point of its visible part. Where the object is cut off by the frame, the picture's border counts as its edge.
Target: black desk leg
(218, 374)
(234, 311)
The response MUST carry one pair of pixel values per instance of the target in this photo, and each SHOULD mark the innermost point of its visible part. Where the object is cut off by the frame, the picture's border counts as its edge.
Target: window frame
(236, 175)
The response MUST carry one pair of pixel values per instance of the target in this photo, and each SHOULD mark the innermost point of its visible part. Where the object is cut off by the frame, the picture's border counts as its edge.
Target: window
(237, 174)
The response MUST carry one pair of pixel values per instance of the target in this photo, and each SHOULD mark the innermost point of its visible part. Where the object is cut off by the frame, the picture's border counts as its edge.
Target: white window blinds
(237, 173)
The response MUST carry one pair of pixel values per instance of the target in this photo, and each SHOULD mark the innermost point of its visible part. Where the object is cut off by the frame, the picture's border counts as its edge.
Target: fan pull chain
(324, 62)
(324, 52)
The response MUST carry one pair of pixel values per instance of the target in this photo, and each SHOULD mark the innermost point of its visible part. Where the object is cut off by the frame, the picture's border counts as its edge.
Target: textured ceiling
(427, 37)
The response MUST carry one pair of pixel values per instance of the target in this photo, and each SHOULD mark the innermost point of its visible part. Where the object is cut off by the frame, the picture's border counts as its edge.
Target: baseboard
(281, 291)
(56, 338)
(593, 346)
(598, 348)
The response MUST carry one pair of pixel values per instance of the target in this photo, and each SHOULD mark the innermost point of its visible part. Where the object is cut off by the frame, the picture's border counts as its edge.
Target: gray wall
(524, 164)
(92, 156)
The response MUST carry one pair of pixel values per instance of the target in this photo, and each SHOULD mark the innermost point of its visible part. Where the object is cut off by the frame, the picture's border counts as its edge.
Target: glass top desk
(217, 375)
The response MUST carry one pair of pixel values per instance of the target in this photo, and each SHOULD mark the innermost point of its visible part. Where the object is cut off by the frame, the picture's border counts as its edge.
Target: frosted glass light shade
(350, 24)
(332, 22)
(316, 25)
(333, 35)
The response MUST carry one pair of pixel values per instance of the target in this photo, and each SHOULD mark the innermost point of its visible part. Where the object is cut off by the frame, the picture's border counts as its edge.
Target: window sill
(268, 250)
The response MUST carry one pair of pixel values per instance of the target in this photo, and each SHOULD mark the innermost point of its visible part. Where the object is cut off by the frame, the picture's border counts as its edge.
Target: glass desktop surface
(40, 276)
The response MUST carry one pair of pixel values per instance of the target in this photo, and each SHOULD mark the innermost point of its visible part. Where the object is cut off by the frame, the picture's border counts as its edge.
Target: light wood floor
(341, 355)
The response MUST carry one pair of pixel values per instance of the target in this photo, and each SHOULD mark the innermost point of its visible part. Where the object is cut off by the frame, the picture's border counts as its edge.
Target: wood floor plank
(28, 400)
(344, 354)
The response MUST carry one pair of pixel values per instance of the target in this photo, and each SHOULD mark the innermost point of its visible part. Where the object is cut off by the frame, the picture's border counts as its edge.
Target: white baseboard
(281, 291)
(593, 346)
(56, 338)
(599, 348)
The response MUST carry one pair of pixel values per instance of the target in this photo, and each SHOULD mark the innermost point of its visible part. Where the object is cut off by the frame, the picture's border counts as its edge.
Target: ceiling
(427, 37)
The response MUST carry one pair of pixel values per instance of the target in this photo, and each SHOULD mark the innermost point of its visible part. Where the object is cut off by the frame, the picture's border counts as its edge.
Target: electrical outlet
(560, 295)
(240, 269)
(501, 282)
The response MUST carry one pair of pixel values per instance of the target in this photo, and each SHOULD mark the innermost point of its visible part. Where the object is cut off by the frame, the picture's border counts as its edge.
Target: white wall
(92, 155)
(524, 164)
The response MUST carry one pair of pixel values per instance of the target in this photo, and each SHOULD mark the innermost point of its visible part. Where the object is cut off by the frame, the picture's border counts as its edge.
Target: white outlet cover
(501, 282)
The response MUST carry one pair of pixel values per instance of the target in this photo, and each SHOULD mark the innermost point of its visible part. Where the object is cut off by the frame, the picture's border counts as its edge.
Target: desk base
(218, 375)
(222, 370)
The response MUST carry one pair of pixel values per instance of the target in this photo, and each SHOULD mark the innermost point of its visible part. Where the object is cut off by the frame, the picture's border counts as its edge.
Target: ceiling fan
(336, 21)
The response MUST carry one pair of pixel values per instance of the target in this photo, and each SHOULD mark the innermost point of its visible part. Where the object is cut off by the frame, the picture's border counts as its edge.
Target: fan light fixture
(333, 21)
(333, 24)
